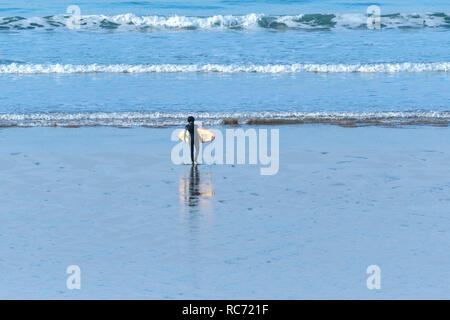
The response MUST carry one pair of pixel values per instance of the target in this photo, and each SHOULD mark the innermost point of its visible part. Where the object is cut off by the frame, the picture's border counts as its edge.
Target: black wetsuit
(190, 129)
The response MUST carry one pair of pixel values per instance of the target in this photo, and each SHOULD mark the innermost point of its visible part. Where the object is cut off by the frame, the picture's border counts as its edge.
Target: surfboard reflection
(196, 190)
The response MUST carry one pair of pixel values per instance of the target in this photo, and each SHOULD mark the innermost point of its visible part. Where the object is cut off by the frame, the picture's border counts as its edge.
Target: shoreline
(161, 120)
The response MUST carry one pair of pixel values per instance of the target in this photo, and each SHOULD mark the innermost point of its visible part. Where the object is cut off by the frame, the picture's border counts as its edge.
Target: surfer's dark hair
(191, 119)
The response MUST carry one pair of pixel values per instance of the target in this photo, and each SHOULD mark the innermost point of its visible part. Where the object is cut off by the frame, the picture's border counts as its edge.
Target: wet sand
(111, 201)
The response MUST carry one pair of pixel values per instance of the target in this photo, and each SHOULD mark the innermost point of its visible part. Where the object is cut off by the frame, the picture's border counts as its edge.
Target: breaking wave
(158, 119)
(253, 21)
(19, 69)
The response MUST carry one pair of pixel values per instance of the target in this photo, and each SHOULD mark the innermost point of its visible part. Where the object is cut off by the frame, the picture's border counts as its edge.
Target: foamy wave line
(159, 119)
(16, 68)
(131, 22)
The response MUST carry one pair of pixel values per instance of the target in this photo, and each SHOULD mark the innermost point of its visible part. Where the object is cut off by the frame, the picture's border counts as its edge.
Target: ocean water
(139, 226)
(151, 63)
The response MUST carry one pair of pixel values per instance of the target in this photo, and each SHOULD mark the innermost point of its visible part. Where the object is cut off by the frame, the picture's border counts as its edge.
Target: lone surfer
(192, 129)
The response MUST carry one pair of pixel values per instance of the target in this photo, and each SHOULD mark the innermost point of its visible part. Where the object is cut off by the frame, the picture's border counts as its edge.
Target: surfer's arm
(185, 132)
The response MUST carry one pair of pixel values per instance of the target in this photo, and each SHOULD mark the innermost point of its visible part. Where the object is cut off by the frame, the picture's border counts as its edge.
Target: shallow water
(110, 201)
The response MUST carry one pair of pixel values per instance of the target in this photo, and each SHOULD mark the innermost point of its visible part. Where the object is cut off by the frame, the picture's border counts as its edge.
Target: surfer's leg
(192, 151)
(197, 149)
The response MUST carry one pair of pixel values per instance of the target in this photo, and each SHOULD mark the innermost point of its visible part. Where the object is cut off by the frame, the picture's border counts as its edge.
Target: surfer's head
(191, 119)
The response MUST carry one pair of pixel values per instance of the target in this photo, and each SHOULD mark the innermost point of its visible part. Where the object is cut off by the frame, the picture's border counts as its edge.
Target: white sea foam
(161, 119)
(19, 69)
(131, 22)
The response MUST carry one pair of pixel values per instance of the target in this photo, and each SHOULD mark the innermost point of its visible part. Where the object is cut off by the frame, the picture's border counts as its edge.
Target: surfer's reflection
(196, 189)
(196, 193)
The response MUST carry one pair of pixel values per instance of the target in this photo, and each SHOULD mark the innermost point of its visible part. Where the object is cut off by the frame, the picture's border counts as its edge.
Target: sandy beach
(111, 201)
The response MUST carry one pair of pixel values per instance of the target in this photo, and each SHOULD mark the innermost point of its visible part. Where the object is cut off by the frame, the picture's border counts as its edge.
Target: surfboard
(205, 135)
